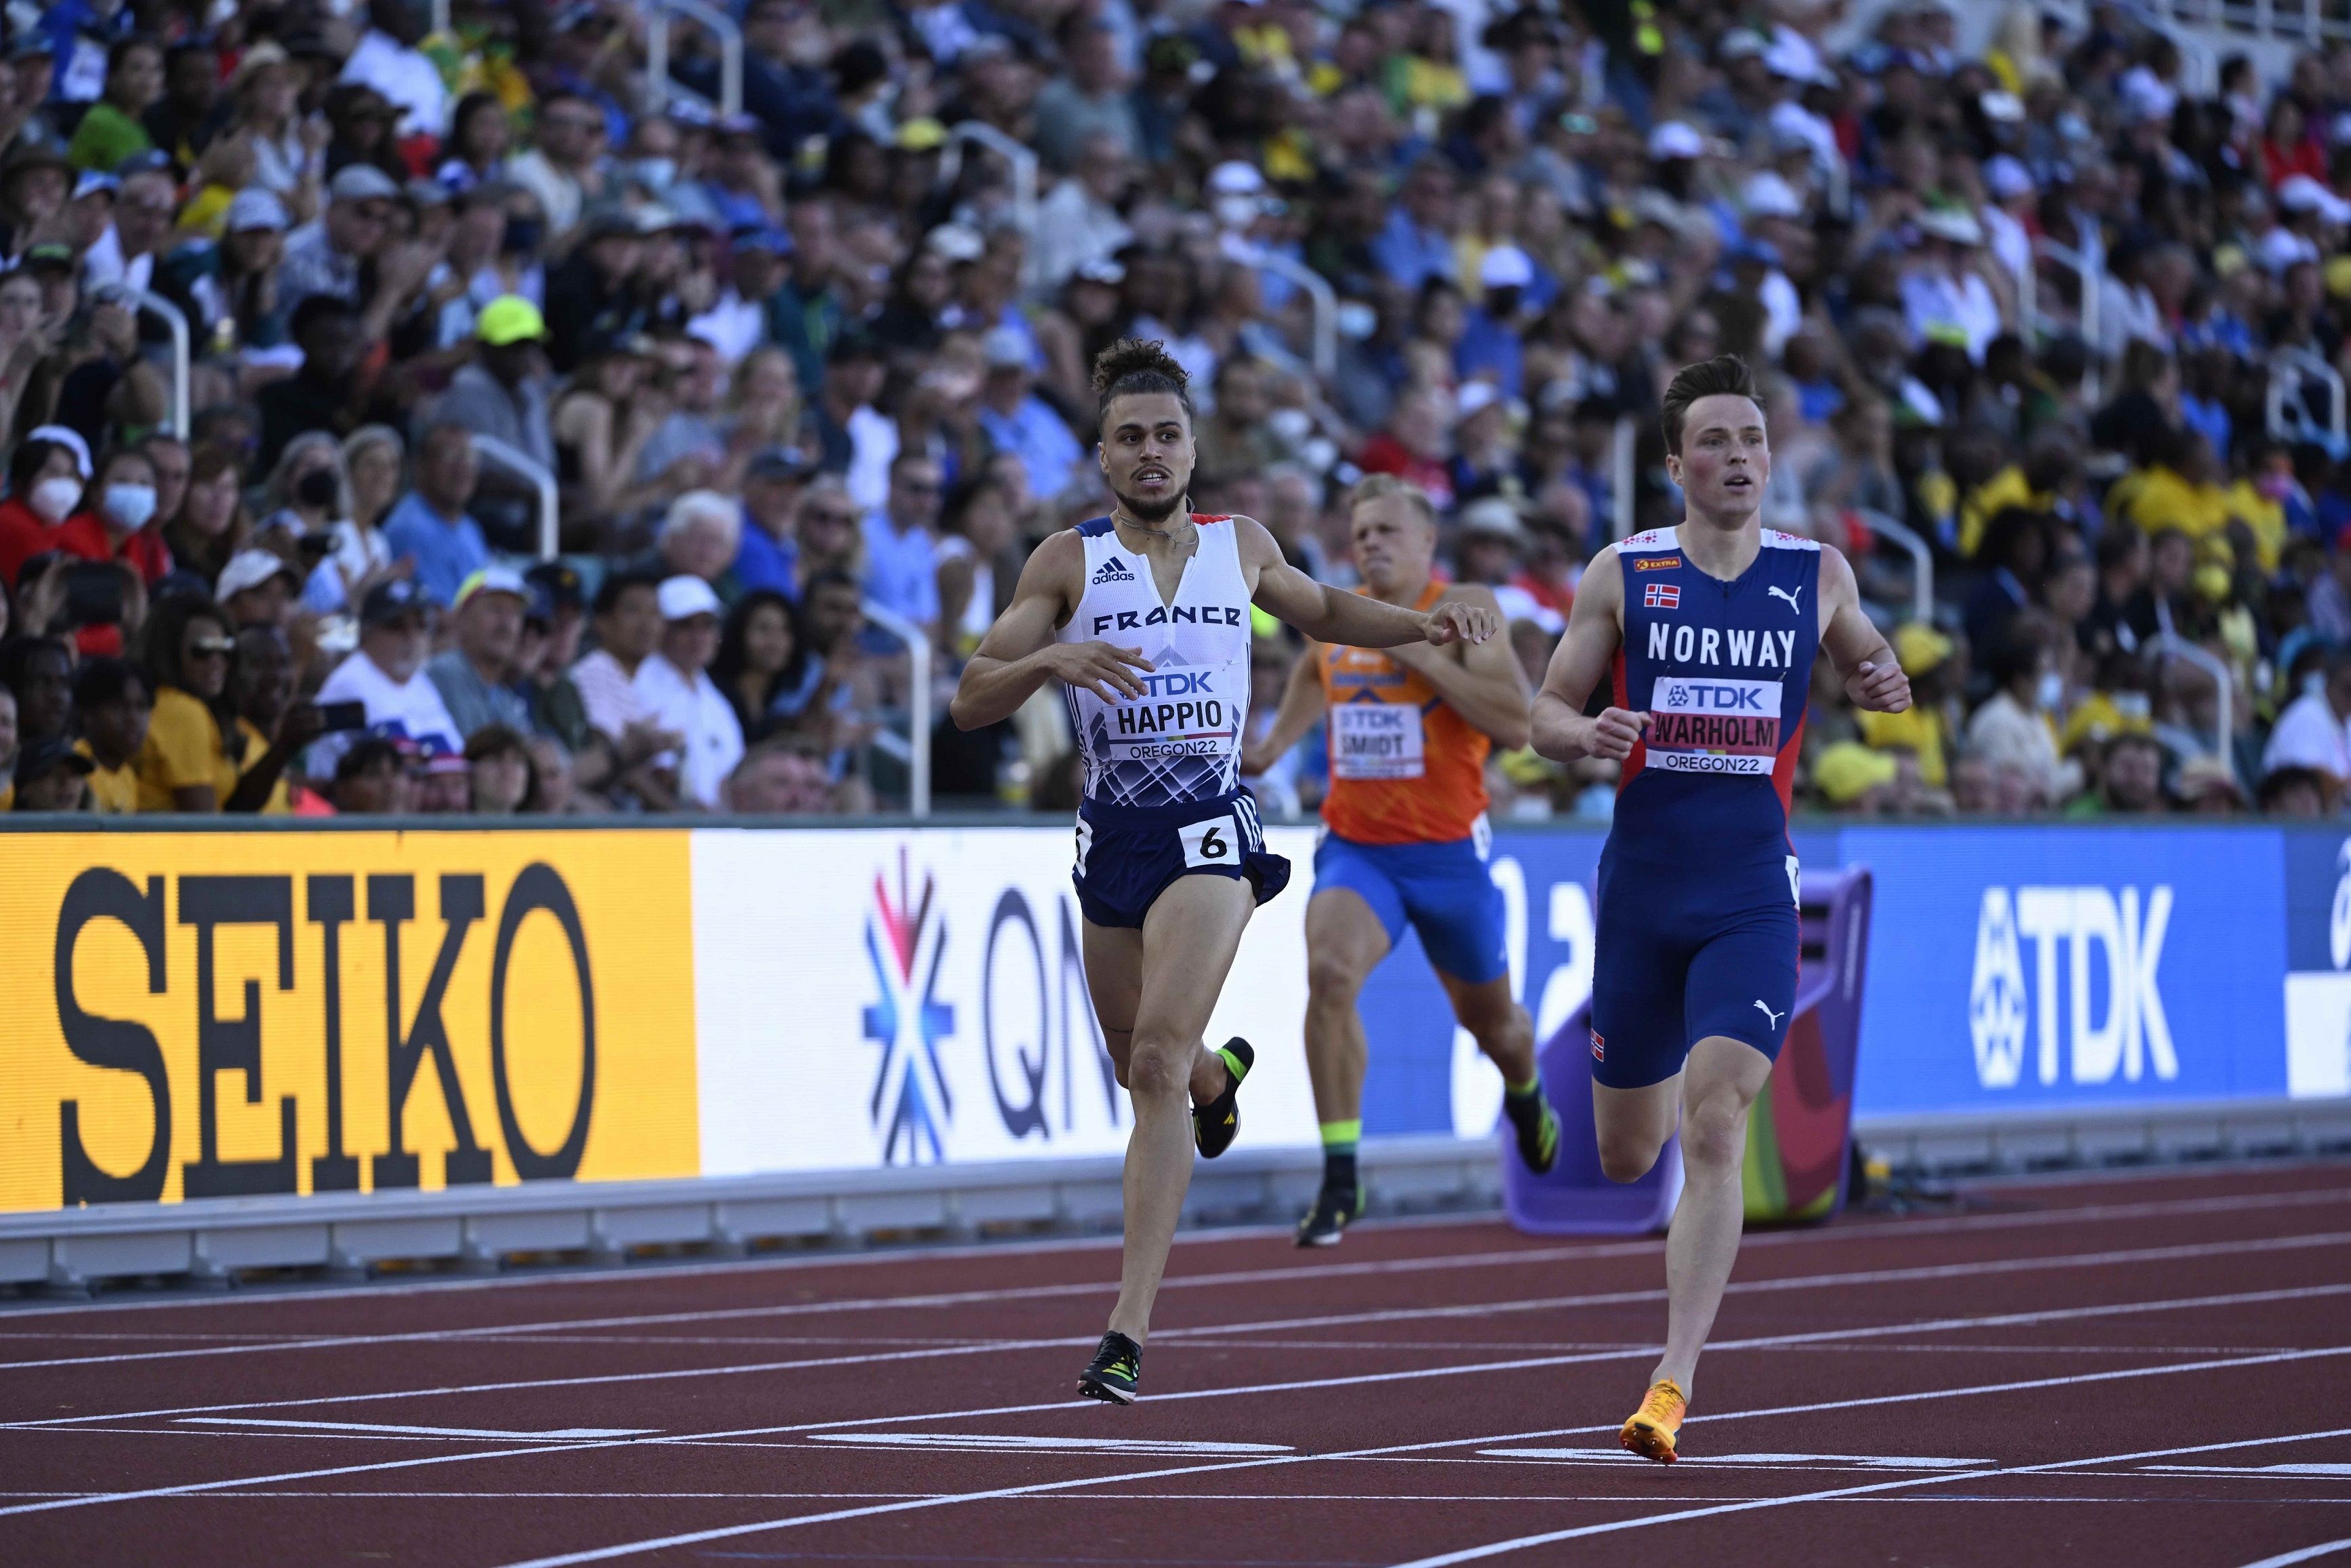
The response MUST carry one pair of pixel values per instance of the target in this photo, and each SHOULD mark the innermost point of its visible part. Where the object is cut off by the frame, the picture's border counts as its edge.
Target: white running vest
(1181, 740)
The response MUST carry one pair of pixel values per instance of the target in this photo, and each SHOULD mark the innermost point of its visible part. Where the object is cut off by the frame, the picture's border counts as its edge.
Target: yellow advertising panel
(226, 1014)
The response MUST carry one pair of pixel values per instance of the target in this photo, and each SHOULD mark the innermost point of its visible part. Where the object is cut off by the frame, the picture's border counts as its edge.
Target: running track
(2144, 1372)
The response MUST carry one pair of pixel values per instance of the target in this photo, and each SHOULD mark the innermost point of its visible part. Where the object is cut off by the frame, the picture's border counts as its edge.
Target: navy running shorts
(1444, 890)
(1127, 855)
(1682, 953)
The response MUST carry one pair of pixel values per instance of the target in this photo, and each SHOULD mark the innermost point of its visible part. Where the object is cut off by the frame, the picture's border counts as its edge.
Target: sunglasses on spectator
(212, 647)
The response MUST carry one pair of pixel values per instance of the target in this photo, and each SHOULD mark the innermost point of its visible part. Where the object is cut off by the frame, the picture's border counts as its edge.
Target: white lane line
(725, 1532)
(2335, 1472)
(371, 1427)
(1159, 1447)
(2284, 1559)
(1611, 1527)
(1771, 1240)
(1717, 1461)
(1807, 1282)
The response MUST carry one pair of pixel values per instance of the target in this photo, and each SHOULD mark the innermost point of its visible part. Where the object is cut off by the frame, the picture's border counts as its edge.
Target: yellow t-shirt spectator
(2004, 489)
(183, 750)
(2164, 499)
(113, 791)
(255, 743)
(1918, 729)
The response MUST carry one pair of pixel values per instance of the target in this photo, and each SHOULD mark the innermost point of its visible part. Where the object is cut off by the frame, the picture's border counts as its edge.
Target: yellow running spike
(1650, 1430)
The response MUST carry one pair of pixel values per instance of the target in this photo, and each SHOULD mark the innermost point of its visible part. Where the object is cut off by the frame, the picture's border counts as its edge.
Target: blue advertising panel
(2020, 965)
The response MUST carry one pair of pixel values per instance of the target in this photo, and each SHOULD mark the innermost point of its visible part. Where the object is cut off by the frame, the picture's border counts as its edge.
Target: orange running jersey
(1405, 768)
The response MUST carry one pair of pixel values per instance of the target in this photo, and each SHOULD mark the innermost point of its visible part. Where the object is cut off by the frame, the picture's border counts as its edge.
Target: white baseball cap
(682, 598)
(1505, 267)
(249, 569)
(1676, 140)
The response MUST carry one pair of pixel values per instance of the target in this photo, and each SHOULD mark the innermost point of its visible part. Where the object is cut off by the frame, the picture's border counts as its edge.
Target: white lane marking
(1521, 1543)
(1902, 1228)
(1883, 1275)
(1155, 1447)
(2341, 1472)
(364, 1428)
(692, 1537)
(2284, 1559)
(1808, 1461)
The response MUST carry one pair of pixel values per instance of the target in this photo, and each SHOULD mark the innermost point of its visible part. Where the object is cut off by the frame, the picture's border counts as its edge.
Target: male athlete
(1144, 616)
(1708, 631)
(1404, 837)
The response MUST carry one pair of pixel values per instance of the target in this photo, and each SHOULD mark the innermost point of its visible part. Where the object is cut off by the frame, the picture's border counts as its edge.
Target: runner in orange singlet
(1405, 838)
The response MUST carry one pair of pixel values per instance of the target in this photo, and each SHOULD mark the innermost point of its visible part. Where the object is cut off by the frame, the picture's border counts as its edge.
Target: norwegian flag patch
(1662, 596)
(1599, 1047)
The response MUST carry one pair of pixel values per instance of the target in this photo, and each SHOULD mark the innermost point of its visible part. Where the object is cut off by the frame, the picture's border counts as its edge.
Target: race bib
(1702, 725)
(1216, 842)
(1375, 740)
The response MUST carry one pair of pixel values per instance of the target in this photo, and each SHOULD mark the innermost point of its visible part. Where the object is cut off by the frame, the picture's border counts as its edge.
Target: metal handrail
(2223, 687)
(520, 463)
(918, 702)
(176, 320)
(2289, 369)
(1326, 305)
(1922, 559)
(2093, 287)
(1024, 168)
(1621, 476)
(659, 88)
(440, 15)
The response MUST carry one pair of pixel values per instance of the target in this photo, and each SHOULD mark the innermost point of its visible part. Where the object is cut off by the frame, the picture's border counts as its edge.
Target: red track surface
(2061, 1343)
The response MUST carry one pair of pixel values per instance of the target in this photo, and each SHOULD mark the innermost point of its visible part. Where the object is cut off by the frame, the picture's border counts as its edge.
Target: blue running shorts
(1684, 952)
(1442, 889)
(1127, 855)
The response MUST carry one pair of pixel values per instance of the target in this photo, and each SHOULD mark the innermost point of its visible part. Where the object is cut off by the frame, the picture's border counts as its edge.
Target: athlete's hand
(1614, 733)
(1102, 668)
(1880, 688)
(1457, 622)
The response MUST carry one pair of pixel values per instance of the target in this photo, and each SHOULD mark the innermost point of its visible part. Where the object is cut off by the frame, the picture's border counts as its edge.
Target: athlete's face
(1147, 453)
(1725, 458)
(1395, 544)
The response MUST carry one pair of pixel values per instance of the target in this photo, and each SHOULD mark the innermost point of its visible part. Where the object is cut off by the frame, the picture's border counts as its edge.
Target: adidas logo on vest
(1113, 571)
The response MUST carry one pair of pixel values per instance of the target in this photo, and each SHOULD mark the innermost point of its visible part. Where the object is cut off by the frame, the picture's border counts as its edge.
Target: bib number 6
(1209, 844)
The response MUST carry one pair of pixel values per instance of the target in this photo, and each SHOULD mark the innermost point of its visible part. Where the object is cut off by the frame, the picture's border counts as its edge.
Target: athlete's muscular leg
(1344, 942)
(1719, 1082)
(1501, 1028)
(1633, 1124)
(1188, 942)
(1114, 982)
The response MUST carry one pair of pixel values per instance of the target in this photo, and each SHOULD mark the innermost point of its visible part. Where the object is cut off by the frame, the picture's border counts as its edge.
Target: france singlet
(1697, 919)
(1406, 815)
(1161, 771)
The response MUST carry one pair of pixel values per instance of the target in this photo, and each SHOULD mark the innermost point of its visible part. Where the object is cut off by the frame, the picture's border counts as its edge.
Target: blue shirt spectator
(430, 525)
(763, 560)
(902, 560)
(1018, 422)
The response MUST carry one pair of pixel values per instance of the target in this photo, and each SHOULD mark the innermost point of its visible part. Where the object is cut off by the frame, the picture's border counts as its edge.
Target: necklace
(1118, 515)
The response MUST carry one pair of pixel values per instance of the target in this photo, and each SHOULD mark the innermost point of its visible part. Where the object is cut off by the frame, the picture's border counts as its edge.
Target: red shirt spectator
(120, 525)
(45, 482)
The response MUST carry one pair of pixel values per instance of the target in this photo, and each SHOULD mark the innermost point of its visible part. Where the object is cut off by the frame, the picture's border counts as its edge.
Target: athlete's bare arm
(1018, 653)
(1595, 629)
(1873, 676)
(1480, 681)
(1333, 615)
(1302, 703)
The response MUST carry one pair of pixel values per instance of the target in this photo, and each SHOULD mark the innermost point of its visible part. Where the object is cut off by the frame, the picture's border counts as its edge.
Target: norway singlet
(1161, 772)
(1698, 918)
(1405, 819)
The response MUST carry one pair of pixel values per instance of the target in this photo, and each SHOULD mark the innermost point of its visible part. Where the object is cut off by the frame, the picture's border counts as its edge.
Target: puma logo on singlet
(1114, 571)
(1790, 598)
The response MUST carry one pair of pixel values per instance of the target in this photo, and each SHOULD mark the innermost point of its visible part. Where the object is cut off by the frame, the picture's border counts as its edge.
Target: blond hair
(1379, 486)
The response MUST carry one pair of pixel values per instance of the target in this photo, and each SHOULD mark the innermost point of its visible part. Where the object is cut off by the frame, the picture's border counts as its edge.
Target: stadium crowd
(815, 373)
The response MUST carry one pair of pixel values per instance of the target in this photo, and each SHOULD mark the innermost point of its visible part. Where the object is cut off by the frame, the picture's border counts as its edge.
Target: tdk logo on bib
(2112, 1023)
(1713, 727)
(1715, 696)
(1113, 571)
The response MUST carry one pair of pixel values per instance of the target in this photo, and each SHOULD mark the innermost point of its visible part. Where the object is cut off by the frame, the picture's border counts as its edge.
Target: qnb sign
(2102, 949)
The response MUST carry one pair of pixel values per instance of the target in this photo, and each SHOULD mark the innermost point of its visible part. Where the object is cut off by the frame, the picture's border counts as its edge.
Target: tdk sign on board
(2104, 946)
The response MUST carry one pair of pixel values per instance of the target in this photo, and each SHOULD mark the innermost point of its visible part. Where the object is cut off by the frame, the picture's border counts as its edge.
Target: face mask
(1238, 212)
(53, 499)
(316, 488)
(523, 236)
(1357, 321)
(131, 505)
(655, 173)
(2134, 705)
(2049, 692)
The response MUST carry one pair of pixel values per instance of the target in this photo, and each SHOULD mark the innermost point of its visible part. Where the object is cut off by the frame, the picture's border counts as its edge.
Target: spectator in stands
(2012, 729)
(675, 687)
(781, 778)
(374, 778)
(472, 676)
(2313, 734)
(502, 393)
(1020, 423)
(2131, 779)
(853, 439)
(325, 394)
(385, 675)
(701, 534)
(111, 131)
(189, 114)
(112, 702)
(430, 524)
(51, 776)
(901, 567)
(503, 778)
(552, 625)
(256, 589)
(629, 625)
(47, 476)
(561, 170)
(186, 765)
(210, 527)
(327, 256)
(767, 552)
(761, 663)
(274, 726)
(592, 300)
(825, 524)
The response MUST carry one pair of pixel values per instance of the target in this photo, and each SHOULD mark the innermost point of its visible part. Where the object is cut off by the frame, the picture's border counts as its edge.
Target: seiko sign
(2104, 946)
